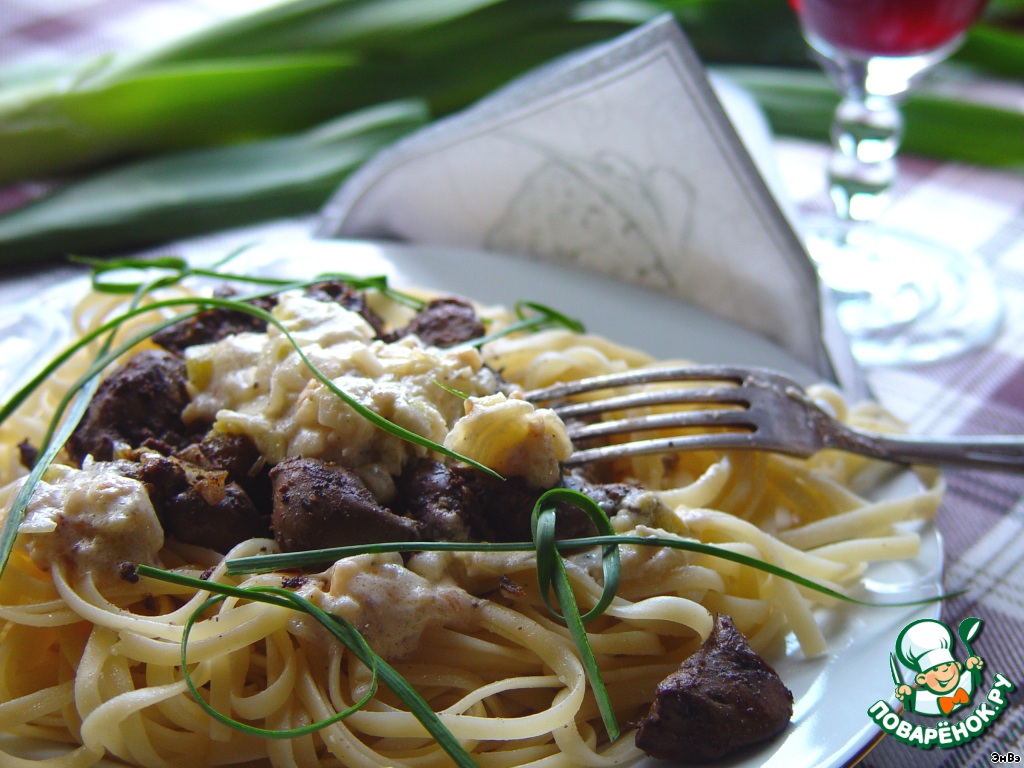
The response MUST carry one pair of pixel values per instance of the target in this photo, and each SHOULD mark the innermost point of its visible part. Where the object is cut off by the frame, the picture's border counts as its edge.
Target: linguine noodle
(94, 661)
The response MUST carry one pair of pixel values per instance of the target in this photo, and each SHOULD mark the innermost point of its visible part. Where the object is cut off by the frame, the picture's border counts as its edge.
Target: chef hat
(924, 644)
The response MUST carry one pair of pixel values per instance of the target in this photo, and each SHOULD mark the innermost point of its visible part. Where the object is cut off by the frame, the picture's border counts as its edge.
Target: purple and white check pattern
(978, 210)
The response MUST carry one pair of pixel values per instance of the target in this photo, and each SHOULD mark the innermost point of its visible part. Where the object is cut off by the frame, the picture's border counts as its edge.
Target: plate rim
(404, 259)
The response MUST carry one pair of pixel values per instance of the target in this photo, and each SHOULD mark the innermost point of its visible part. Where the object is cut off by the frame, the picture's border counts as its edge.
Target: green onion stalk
(552, 578)
(262, 115)
(164, 272)
(115, 277)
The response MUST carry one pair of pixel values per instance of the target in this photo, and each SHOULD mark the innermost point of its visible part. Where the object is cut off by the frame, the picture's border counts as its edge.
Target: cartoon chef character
(926, 645)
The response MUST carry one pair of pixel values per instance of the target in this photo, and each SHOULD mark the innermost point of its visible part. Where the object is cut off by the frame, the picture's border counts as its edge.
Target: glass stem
(867, 129)
(866, 134)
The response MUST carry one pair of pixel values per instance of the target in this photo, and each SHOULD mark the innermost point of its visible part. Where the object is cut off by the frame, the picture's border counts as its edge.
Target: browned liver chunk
(142, 400)
(464, 504)
(432, 493)
(212, 325)
(348, 297)
(199, 506)
(443, 323)
(239, 457)
(721, 699)
(319, 505)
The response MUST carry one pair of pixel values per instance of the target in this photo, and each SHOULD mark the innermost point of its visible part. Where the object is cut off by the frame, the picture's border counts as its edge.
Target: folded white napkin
(618, 159)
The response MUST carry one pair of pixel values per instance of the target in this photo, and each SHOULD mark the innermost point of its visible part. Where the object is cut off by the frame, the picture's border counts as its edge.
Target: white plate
(830, 725)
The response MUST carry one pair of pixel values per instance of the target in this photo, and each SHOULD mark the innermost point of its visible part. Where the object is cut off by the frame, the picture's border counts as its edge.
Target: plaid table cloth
(980, 211)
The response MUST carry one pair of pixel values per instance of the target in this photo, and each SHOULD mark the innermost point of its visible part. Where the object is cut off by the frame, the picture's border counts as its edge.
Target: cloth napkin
(619, 159)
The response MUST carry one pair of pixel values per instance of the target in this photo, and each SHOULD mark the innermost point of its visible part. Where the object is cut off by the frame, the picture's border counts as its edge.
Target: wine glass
(900, 299)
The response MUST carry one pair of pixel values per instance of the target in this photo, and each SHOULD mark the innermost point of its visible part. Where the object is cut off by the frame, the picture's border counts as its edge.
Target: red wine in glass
(900, 299)
(888, 27)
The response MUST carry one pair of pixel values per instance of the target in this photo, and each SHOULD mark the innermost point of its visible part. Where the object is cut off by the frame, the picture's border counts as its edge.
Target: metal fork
(746, 408)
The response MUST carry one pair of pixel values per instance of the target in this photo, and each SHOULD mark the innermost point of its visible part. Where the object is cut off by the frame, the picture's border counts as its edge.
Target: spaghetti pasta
(90, 655)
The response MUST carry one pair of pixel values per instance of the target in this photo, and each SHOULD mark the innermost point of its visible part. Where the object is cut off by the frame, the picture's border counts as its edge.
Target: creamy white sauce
(390, 605)
(91, 519)
(257, 385)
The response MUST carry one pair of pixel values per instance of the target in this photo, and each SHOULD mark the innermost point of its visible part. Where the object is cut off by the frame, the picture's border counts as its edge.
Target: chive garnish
(179, 269)
(540, 318)
(338, 627)
(543, 530)
(552, 575)
(293, 560)
(81, 392)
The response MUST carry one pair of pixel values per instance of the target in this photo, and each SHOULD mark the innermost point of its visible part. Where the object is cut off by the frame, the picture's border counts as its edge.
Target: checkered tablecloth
(978, 210)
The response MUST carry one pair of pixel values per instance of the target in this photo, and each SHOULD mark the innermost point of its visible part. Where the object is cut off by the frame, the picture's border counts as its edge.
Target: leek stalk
(186, 193)
(256, 117)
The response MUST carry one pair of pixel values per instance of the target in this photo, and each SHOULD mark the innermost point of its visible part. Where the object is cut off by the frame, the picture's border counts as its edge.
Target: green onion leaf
(544, 317)
(994, 49)
(344, 632)
(290, 560)
(179, 269)
(115, 112)
(547, 551)
(338, 627)
(802, 103)
(204, 190)
(551, 574)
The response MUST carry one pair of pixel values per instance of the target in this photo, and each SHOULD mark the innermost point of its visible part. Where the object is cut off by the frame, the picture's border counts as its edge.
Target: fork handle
(997, 452)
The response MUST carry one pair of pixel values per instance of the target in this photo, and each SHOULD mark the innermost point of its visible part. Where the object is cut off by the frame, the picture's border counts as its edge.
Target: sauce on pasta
(90, 656)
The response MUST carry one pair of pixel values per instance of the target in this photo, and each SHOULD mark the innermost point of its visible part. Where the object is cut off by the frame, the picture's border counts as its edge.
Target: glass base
(902, 299)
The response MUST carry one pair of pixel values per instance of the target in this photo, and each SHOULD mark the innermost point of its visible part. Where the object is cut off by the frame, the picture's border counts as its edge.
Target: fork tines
(640, 376)
(728, 408)
(746, 408)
